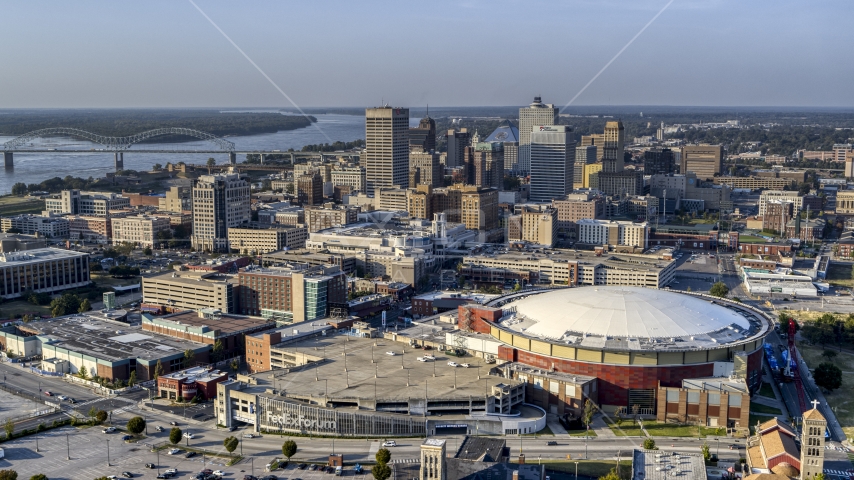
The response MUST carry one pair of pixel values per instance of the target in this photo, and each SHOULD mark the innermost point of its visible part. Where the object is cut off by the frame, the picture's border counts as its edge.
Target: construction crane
(793, 356)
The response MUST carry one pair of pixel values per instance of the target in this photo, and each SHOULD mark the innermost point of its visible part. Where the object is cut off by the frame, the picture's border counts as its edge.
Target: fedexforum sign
(289, 420)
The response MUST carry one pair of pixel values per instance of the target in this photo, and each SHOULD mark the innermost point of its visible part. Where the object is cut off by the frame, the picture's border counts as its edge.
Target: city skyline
(167, 54)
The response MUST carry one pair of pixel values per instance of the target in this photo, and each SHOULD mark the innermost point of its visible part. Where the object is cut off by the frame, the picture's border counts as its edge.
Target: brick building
(208, 326)
(189, 383)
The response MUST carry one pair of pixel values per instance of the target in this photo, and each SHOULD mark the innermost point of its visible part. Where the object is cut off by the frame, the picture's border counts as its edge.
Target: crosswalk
(405, 460)
(839, 473)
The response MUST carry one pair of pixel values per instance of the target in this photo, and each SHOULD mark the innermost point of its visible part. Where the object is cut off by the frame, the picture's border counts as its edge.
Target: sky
(153, 53)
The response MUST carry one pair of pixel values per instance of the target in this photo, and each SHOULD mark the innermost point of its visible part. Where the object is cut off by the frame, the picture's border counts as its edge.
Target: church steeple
(812, 442)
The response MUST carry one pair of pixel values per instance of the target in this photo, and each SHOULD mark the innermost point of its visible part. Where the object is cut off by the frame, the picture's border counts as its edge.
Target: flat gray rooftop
(657, 465)
(379, 375)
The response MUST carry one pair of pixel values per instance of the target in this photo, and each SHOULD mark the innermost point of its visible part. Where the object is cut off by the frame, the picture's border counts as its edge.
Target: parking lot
(12, 405)
(293, 472)
(88, 451)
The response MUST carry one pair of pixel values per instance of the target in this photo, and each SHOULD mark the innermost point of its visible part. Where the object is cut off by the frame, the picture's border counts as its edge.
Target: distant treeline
(54, 185)
(120, 123)
(333, 147)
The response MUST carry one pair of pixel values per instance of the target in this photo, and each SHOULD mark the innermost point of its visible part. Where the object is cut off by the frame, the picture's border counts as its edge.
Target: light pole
(67, 448)
(576, 470)
(252, 460)
(108, 453)
(37, 443)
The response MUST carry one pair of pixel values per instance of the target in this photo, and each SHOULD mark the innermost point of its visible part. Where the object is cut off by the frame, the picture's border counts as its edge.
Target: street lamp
(576, 470)
(108, 453)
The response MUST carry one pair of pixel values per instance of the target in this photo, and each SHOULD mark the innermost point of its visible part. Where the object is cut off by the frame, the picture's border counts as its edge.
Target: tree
(829, 355)
(147, 251)
(635, 413)
(649, 444)
(719, 289)
(189, 355)
(8, 475)
(85, 306)
(587, 413)
(39, 476)
(19, 189)
(175, 435)
(218, 348)
(64, 305)
(235, 364)
(289, 449)
(136, 425)
(383, 456)
(158, 370)
(101, 416)
(9, 427)
(132, 378)
(230, 444)
(381, 471)
(707, 454)
(612, 475)
(828, 376)
(157, 167)
(82, 373)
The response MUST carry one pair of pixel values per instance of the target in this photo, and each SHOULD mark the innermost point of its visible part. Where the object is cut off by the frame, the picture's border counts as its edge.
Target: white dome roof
(622, 312)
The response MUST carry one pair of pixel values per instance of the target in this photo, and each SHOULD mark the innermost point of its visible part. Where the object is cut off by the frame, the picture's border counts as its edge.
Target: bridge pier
(262, 158)
(120, 161)
(232, 158)
(8, 160)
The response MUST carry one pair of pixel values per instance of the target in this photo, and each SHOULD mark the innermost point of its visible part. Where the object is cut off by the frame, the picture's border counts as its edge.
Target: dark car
(149, 465)
(250, 477)
(302, 466)
(127, 437)
(164, 475)
(173, 423)
(551, 443)
(312, 467)
(190, 455)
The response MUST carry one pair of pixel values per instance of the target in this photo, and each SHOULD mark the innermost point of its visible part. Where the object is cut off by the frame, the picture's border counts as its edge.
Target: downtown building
(220, 202)
(535, 114)
(50, 225)
(256, 239)
(291, 295)
(42, 270)
(704, 160)
(386, 156)
(75, 202)
(614, 179)
(552, 159)
(139, 230)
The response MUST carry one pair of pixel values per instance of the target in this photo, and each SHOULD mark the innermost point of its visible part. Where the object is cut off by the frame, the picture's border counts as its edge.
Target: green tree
(649, 444)
(147, 251)
(132, 378)
(136, 425)
(39, 476)
(381, 471)
(19, 189)
(829, 355)
(612, 475)
(101, 416)
(587, 413)
(383, 456)
(289, 449)
(189, 356)
(9, 427)
(230, 444)
(158, 369)
(719, 289)
(517, 286)
(82, 372)
(157, 167)
(235, 364)
(102, 478)
(828, 376)
(8, 475)
(85, 306)
(707, 453)
(218, 349)
(175, 435)
(64, 305)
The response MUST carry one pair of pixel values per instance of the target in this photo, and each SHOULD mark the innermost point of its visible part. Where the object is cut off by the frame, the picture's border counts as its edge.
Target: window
(570, 391)
(673, 396)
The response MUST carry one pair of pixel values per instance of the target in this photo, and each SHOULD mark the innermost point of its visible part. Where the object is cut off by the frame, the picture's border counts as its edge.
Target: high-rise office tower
(539, 114)
(658, 161)
(596, 140)
(704, 160)
(220, 202)
(584, 155)
(386, 147)
(612, 147)
(423, 137)
(458, 140)
(552, 162)
(430, 169)
(484, 162)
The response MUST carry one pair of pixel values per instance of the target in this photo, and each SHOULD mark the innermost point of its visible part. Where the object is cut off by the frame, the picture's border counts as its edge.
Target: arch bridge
(114, 144)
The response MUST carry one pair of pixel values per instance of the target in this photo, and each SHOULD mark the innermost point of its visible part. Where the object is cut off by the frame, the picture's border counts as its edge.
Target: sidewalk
(601, 428)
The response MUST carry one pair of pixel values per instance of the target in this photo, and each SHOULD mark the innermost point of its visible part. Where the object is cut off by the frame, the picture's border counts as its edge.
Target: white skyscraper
(219, 202)
(552, 162)
(537, 113)
(386, 148)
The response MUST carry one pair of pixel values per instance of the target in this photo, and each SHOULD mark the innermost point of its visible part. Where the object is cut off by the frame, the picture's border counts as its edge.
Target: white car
(219, 473)
(390, 353)
(108, 430)
(424, 359)
(453, 364)
(389, 443)
(189, 435)
(465, 365)
(429, 357)
(172, 471)
(173, 451)
(62, 397)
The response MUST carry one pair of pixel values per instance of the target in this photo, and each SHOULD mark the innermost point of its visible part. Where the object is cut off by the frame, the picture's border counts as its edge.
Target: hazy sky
(356, 53)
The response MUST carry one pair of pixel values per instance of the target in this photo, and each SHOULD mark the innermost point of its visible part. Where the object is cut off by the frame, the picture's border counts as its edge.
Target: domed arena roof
(613, 311)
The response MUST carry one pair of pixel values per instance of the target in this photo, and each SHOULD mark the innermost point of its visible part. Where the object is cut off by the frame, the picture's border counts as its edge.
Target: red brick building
(187, 384)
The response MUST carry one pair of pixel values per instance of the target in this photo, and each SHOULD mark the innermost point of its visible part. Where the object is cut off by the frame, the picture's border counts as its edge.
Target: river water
(37, 167)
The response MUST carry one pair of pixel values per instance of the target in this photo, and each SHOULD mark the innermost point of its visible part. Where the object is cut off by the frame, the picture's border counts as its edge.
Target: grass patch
(545, 431)
(657, 429)
(840, 274)
(11, 205)
(589, 468)
(18, 308)
(766, 390)
(581, 433)
(759, 408)
(841, 399)
(625, 429)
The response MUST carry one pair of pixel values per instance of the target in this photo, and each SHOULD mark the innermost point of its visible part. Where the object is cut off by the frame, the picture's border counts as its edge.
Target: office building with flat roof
(75, 202)
(386, 156)
(291, 295)
(704, 160)
(220, 202)
(139, 230)
(208, 326)
(42, 270)
(423, 137)
(255, 239)
(189, 290)
(49, 225)
(552, 159)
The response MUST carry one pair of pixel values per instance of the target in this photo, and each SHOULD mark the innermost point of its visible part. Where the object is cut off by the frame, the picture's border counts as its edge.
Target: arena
(632, 339)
